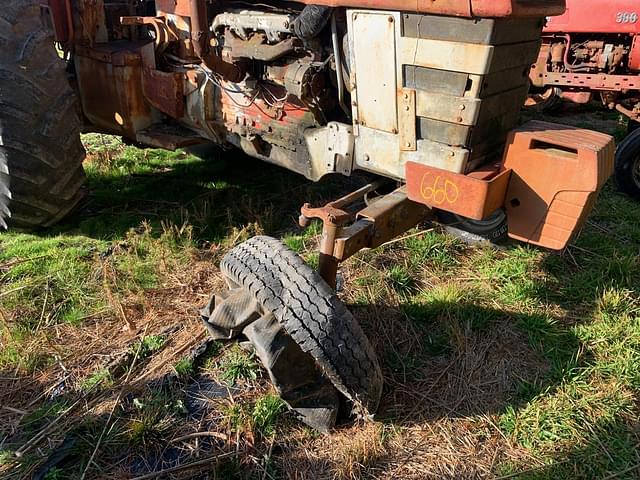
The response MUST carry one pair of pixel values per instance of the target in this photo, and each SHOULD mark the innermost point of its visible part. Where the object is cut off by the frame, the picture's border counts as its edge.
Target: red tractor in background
(593, 50)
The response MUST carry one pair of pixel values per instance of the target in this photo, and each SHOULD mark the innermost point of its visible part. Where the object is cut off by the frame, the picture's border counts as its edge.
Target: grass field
(498, 363)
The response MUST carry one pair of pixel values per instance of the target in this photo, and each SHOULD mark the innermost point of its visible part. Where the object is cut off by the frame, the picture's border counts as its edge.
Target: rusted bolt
(390, 19)
(408, 144)
(354, 104)
(459, 119)
(394, 131)
(406, 96)
(462, 107)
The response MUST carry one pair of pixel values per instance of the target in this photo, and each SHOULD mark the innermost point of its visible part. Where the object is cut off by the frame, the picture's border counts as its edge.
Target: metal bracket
(407, 119)
(344, 233)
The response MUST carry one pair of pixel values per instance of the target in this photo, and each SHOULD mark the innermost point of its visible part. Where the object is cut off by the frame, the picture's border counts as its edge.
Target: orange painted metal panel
(472, 196)
(557, 172)
(460, 8)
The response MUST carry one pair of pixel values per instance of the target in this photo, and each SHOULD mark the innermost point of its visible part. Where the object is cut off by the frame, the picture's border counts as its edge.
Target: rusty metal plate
(593, 80)
(383, 220)
(176, 7)
(407, 119)
(456, 193)
(164, 91)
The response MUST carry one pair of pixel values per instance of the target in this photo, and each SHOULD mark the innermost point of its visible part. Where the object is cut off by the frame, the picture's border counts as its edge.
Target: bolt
(462, 107)
(390, 19)
(459, 119)
(366, 157)
(408, 144)
(452, 154)
(406, 96)
(407, 108)
(394, 131)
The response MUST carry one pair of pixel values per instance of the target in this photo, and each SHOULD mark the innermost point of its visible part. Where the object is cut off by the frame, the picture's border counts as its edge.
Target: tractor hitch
(345, 233)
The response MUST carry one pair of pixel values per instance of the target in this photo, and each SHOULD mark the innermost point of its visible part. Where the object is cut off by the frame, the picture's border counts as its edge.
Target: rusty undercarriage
(425, 101)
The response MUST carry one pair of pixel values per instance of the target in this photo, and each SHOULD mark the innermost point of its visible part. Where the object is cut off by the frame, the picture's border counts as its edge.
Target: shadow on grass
(214, 195)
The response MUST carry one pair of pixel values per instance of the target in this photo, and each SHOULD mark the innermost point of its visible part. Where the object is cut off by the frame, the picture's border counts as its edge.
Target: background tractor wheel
(311, 313)
(494, 229)
(627, 169)
(40, 150)
(547, 101)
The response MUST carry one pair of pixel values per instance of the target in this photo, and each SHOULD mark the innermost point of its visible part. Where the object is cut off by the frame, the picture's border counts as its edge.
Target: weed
(236, 417)
(238, 365)
(265, 414)
(184, 367)
(153, 417)
(402, 280)
(294, 242)
(101, 378)
(148, 345)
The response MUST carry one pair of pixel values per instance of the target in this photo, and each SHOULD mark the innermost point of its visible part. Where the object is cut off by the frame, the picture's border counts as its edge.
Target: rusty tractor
(423, 97)
(593, 50)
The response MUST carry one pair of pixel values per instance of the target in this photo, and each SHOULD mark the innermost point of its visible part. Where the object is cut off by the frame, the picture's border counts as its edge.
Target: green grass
(238, 365)
(148, 345)
(265, 414)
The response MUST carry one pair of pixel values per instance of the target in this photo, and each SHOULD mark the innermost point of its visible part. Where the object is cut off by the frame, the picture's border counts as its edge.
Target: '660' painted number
(626, 17)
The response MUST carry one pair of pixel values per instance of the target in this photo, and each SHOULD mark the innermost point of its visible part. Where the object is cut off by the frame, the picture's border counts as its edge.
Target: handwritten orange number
(438, 191)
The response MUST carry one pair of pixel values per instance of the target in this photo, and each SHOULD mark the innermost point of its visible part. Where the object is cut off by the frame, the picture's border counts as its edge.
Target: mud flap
(294, 373)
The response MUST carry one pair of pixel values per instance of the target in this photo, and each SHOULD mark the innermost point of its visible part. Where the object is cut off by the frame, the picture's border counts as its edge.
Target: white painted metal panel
(379, 152)
(374, 56)
(459, 110)
(443, 55)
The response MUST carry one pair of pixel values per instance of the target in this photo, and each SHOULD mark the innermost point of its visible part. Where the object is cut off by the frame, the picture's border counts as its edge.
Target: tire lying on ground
(494, 229)
(627, 167)
(311, 313)
(41, 155)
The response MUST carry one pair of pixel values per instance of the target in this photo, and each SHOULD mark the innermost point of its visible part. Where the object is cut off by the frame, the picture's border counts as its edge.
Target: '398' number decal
(626, 17)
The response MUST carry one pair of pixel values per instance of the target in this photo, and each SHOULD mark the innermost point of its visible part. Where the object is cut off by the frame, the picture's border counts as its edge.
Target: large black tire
(41, 155)
(627, 168)
(311, 314)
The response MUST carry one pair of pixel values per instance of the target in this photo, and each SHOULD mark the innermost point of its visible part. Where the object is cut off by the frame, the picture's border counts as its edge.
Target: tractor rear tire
(311, 313)
(41, 155)
(627, 168)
